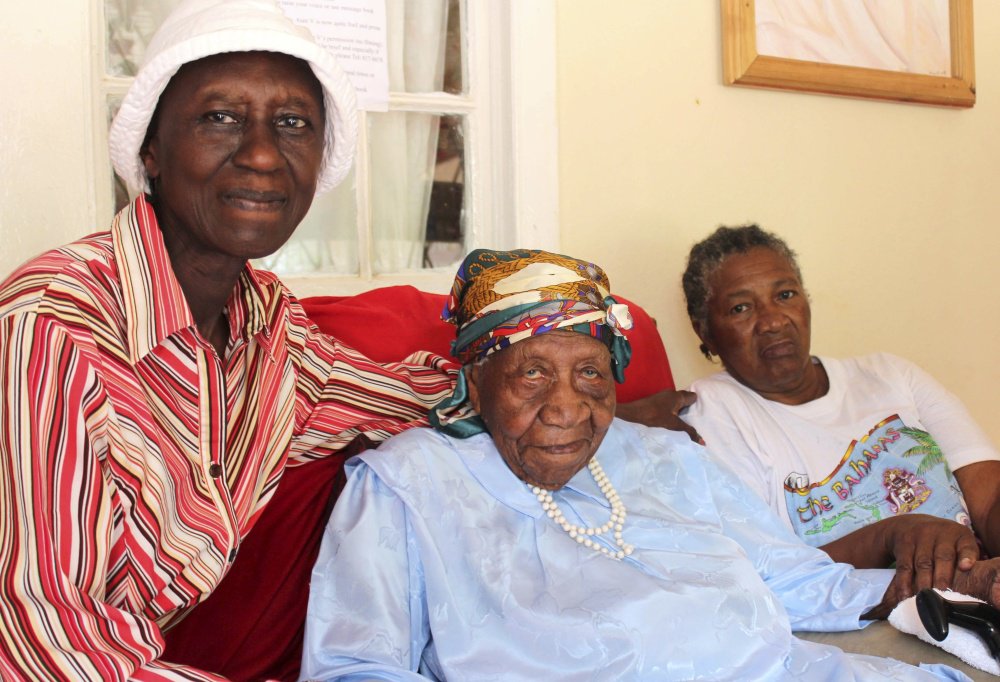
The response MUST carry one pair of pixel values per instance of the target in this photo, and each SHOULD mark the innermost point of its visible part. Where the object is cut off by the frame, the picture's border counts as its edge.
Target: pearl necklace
(582, 534)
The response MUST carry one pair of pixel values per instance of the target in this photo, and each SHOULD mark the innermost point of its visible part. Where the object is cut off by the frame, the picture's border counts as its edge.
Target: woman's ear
(472, 373)
(147, 154)
(701, 329)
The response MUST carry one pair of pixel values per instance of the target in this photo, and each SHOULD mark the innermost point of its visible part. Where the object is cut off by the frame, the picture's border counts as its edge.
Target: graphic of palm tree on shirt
(926, 448)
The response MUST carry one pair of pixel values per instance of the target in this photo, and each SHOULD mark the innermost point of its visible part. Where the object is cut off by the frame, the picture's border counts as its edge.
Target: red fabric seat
(251, 627)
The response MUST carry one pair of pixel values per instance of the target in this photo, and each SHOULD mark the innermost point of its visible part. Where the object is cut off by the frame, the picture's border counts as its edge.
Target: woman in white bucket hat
(155, 385)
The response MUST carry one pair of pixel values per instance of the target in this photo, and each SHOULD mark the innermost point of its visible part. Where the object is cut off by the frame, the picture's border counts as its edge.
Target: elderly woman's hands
(661, 409)
(981, 581)
(928, 552)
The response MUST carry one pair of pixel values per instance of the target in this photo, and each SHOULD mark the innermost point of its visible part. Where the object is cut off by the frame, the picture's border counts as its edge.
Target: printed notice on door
(354, 31)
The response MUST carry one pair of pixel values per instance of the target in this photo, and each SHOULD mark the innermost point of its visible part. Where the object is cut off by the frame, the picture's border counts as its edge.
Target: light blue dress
(438, 561)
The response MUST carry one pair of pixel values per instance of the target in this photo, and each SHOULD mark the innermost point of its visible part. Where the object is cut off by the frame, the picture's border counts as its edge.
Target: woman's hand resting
(661, 409)
(929, 552)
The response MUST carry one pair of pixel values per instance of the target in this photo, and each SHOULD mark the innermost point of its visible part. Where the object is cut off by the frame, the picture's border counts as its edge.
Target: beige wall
(892, 207)
(46, 188)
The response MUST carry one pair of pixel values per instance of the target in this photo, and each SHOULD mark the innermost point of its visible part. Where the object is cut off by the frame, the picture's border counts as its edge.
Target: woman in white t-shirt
(855, 455)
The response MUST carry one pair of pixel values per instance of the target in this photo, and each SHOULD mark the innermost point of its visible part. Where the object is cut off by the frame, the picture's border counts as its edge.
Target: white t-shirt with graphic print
(883, 441)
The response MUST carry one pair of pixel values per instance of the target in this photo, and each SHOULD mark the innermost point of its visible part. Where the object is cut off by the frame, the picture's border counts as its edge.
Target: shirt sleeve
(367, 616)
(55, 523)
(944, 416)
(818, 593)
(720, 427)
(340, 394)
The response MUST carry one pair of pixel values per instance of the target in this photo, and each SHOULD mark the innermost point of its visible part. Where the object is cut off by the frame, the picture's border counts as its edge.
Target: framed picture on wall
(906, 50)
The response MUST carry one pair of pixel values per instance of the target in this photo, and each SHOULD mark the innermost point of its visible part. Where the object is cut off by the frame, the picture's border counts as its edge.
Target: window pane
(417, 164)
(130, 25)
(445, 238)
(326, 240)
(424, 36)
(424, 45)
(454, 82)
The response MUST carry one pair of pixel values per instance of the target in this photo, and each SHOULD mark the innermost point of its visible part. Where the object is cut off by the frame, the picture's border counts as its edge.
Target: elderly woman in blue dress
(545, 539)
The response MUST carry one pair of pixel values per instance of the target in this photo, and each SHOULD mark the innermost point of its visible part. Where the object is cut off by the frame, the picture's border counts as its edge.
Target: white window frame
(511, 170)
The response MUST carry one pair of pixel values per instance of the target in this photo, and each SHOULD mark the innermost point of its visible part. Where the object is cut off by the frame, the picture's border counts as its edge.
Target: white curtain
(327, 238)
(131, 24)
(404, 145)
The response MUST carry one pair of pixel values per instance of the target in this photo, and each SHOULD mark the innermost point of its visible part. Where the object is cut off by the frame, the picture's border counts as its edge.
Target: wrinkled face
(547, 402)
(236, 152)
(758, 323)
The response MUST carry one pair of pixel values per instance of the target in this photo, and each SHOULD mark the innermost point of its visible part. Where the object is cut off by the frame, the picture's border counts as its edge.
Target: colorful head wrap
(502, 297)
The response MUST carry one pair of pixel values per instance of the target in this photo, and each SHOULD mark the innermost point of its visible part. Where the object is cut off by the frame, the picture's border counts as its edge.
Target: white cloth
(960, 641)
(820, 456)
(439, 563)
(403, 144)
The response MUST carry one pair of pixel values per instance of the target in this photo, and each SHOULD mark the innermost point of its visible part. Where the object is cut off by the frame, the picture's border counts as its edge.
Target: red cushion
(386, 324)
(649, 371)
(251, 627)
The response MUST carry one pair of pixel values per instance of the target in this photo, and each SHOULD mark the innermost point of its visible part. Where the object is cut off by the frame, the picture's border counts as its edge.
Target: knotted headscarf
(501, 297)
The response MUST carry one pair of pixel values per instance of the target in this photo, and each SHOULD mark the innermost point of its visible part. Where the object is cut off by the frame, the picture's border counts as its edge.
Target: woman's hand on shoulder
(661, 409)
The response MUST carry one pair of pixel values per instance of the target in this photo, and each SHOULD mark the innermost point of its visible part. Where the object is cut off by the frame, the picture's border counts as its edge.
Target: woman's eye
(739, 308)
(220, 117)
(787, 294)
(292, 122)
(591, 373)
(532, 373)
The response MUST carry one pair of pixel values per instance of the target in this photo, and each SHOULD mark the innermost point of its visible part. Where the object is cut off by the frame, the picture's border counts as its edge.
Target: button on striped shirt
(133, 459)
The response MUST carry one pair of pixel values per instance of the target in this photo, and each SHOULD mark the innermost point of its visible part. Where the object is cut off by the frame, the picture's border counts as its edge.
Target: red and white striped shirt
(133, 459)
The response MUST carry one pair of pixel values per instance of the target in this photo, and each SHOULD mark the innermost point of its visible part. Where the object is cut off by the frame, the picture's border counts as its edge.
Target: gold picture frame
(743, 66)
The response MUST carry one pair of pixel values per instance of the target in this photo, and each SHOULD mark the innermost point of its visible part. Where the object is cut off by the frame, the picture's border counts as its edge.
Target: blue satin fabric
(438, 561)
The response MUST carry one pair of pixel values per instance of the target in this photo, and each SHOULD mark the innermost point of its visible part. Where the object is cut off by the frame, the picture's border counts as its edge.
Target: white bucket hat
(201, 28)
